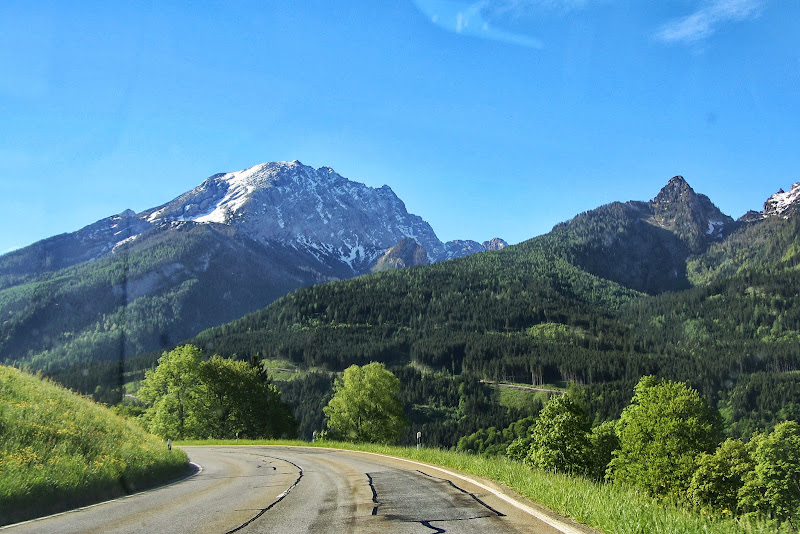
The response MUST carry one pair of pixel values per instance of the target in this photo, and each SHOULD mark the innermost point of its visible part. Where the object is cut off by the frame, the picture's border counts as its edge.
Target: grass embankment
(59, 450)
(609, 508)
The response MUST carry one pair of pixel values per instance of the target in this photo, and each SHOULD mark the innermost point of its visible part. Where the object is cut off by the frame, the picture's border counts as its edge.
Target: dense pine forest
(528, 314)
(150, 294)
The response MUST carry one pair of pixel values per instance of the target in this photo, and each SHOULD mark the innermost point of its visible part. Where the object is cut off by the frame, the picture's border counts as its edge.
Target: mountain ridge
(547, 311)
(570, 305)
(161, 259)
(262, 232)
(317, 210)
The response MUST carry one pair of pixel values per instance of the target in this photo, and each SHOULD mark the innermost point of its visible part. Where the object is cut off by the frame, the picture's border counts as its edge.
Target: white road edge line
(65, 512)
(553, 522)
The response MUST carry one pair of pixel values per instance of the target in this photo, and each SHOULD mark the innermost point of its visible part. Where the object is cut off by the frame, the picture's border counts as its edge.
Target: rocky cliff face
(494, 244)
(343, 227)
(690, 216)
(316, 210)
(783, 203)
(407, 253)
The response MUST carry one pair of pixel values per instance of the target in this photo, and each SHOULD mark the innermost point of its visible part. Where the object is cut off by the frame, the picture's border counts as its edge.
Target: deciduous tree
(773, 486)
(174, 392)
(365, 405)
(222, 398)
(662, 433)
(720, 476)
(559, 439)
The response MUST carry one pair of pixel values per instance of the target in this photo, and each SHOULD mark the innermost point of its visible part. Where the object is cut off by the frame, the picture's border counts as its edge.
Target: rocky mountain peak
(337, 220)
(783, 203)
(494, 244)
(676, 190)
(407, 253)
(751, 216)
(689, 215)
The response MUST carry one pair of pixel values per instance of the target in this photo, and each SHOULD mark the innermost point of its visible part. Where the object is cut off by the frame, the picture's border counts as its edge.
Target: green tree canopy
(720, 476)
(222, 398)
(662, 433)
(773, 486)
(240, 400)
(603, 441)
(365, 405)
(174, 392)
(559, 439)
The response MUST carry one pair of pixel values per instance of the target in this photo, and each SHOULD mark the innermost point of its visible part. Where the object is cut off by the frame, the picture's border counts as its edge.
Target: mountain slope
(535, 313)
(151, 293)
(384, 315)
(645, 245)
(134, 283)
(59, 252)
(767, 238)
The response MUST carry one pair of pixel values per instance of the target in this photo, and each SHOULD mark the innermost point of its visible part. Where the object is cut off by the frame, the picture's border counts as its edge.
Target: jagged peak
(676, 188)
(782, 202)
(406, 253)
(495, 244)
(691, 216)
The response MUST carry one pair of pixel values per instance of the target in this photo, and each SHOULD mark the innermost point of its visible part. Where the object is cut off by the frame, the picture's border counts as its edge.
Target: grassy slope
(59, 450)
(609, 508)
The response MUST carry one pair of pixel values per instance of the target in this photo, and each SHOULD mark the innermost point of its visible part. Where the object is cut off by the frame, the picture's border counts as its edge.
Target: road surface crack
(280, 497)
(374, 494)
(462, 490)
(436, 530)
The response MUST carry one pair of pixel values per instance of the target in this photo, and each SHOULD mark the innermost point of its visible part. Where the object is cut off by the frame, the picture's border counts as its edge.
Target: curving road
(297, 490)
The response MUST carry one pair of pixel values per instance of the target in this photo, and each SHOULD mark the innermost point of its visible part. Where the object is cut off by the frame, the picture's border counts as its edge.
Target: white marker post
(419, 440)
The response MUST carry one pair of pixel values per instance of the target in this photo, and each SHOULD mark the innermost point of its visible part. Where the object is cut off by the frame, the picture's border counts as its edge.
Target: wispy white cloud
(707, 20)
(521, 8)
(470, 18)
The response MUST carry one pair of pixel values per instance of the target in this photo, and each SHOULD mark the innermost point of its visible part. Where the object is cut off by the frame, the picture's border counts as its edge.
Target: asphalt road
(298, 490)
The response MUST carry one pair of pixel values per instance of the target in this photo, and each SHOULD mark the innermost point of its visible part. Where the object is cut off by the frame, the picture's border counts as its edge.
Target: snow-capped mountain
(315, 210)
(783, 203)
(342, 225)
(311, 209)
(228, 247)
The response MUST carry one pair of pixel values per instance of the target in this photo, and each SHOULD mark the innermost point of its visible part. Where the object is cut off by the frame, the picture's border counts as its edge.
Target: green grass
(521, 399)
(609, 508)
(59, 450)
(285, 370)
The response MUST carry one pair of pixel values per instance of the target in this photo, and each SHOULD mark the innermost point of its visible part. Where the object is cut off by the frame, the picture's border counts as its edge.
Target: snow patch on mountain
(342, 223)
(241, 185)
(714, 228)
(782, 201)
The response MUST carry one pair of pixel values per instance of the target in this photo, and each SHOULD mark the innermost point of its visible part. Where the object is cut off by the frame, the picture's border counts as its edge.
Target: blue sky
(488, 118)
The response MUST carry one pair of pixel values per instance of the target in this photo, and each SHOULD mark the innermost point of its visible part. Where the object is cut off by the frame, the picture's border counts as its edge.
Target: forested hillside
(531, 314)
(600, 301)
(152, 293)
(458, 315)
